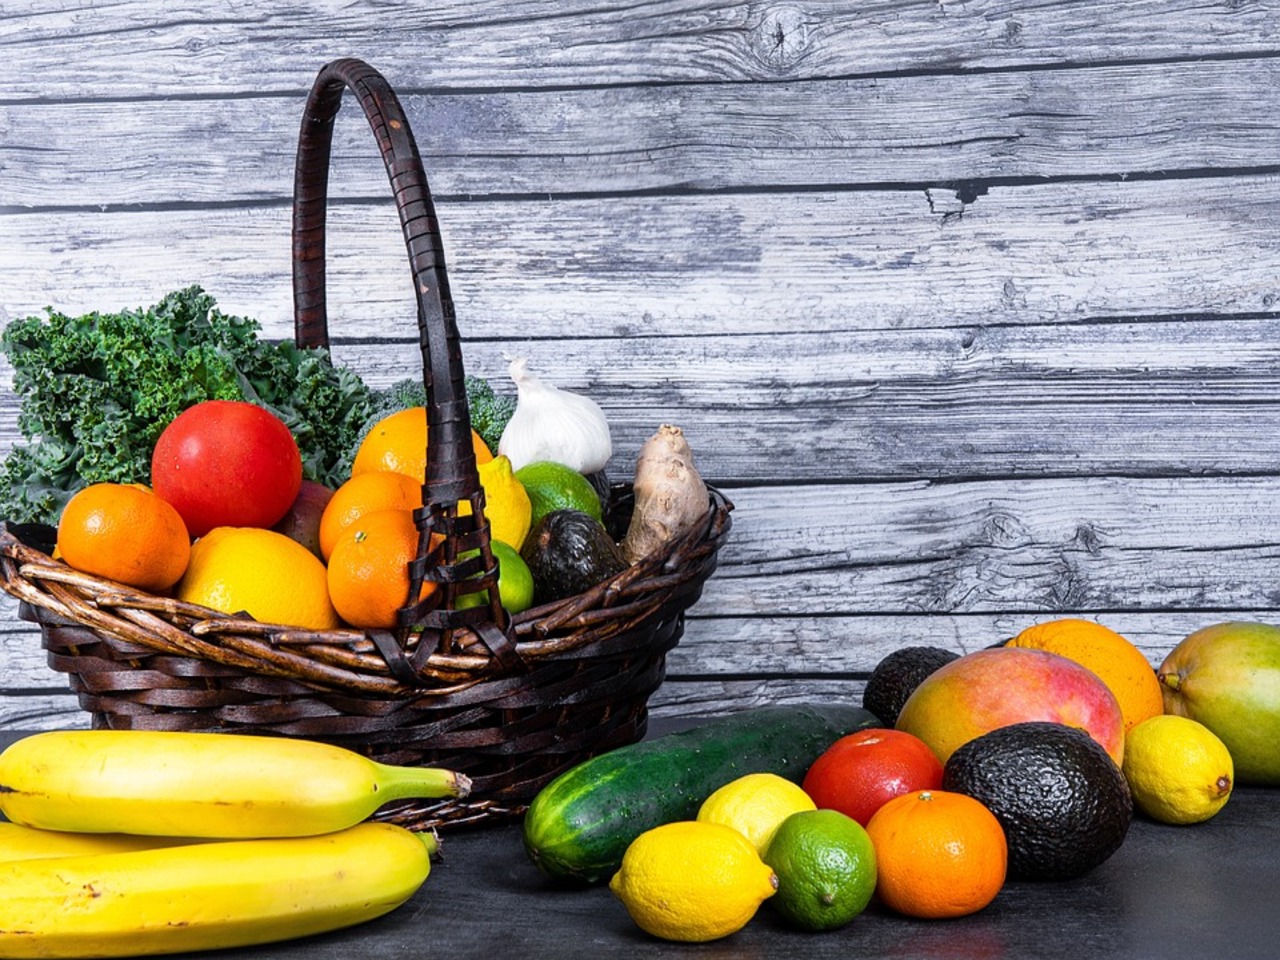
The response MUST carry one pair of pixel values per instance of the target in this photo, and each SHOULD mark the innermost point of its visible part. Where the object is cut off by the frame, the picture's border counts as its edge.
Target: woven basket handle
(451, 465)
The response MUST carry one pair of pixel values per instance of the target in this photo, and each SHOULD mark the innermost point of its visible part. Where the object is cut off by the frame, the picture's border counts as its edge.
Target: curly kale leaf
(97, 390)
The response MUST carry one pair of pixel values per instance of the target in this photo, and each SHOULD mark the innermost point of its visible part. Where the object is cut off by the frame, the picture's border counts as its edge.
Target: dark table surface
(1208, 892)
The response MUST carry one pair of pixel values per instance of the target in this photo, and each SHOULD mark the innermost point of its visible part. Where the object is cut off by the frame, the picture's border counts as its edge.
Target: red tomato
(224, 463)
(860, 773)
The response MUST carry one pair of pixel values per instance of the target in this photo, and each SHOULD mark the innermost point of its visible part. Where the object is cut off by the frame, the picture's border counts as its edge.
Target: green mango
(1227, 677)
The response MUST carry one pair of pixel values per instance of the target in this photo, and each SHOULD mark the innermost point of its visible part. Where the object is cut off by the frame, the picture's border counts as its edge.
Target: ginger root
(670, 497)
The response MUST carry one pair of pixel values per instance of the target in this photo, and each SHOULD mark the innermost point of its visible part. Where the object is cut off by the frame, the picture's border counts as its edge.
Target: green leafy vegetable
(490, 412)
(97, 390)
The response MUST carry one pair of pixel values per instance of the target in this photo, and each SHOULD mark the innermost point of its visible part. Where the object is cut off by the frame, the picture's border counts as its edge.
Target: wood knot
(1004, 530)
(780, 38)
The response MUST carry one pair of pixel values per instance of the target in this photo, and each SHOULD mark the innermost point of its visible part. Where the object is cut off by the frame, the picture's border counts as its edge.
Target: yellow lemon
(692, 881)
(260, 572)
(1178, 770)
(755, 805)
(506, 504)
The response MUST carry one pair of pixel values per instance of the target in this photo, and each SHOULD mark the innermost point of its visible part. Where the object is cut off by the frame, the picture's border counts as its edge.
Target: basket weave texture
(510, 701)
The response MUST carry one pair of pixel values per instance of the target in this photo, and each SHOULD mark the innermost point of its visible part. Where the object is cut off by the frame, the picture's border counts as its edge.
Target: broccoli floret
(490, 412)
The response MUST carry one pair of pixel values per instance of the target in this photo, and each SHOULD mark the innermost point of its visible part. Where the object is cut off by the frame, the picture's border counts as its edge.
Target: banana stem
(402, 783)
(430, 841)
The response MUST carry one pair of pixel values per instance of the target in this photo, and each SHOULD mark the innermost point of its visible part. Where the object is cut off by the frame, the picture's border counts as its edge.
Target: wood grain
(691, 265)
(1067, 399)
(1104, 121)
(140, 48)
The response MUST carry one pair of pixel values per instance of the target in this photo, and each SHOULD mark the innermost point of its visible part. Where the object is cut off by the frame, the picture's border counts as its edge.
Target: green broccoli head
(490, 412)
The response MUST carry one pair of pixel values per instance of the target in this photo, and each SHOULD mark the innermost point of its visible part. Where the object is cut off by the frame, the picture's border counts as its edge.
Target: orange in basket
(124, 532)
(399, 442)
(369, 568)
(379, 490)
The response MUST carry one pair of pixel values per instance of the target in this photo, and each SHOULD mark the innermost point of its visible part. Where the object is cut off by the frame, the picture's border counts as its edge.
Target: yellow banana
(27, 843)
(208, 895)
(211, 785)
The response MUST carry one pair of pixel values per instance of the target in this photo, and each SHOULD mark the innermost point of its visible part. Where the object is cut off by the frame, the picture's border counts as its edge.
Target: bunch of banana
(126, 843)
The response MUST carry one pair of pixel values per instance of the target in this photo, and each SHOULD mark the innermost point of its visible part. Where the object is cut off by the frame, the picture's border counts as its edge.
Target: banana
(210, 895)
(27, 843)
(211, 785)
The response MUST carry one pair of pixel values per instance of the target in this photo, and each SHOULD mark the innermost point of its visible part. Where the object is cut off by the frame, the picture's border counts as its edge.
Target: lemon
(826, 868)
(692, 881)
(260, 572)
(1178, 770)
(553, 486)
(755, 805)
(506, 503)
(515, 581)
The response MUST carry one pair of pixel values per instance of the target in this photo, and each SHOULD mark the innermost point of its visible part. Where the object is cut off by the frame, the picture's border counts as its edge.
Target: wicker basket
(511, 701)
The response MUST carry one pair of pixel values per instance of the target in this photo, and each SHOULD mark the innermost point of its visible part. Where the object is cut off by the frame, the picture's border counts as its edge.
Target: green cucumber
(580, 824)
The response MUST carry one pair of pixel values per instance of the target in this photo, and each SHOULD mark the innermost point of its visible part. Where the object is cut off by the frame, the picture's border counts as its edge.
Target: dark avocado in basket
(568, 552)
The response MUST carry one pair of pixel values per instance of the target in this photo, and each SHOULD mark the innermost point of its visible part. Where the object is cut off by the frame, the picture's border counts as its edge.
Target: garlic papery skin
(554, 424)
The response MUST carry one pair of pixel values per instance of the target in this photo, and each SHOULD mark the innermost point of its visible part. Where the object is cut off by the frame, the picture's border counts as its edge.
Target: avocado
(896, 677)
(1064, 804)
(569, 552)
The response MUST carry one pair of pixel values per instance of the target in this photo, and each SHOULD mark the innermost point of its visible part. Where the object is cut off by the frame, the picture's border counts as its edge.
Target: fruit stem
(430, 841)
(400, 783)
(1171, 680)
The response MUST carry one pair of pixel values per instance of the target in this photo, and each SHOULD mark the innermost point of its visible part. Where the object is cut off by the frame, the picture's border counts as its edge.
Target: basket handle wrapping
(432, 624)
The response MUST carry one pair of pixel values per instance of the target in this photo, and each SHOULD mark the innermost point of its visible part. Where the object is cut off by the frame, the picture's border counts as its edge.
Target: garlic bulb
(554, 424)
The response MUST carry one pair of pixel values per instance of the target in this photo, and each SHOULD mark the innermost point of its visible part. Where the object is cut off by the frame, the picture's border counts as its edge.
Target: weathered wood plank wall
(970, 306)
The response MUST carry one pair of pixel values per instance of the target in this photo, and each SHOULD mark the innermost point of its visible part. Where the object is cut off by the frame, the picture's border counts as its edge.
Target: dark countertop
(1206, 891)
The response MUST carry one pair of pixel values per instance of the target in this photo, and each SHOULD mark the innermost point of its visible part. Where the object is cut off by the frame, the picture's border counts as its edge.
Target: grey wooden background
(971, 307)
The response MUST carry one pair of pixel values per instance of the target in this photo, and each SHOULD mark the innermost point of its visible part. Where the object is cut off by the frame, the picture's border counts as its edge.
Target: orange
(369, 568)
(399, 442)
(379, 490)
(259, 572)
(1115, 660)
(938, 854)
(124, 532)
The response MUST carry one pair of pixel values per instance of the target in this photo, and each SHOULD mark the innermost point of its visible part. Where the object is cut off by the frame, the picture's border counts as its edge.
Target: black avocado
(897, 675)
(568, 552)
(1064, 804)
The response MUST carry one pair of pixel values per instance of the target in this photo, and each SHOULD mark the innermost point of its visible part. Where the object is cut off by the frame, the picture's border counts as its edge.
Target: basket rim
(349, 657)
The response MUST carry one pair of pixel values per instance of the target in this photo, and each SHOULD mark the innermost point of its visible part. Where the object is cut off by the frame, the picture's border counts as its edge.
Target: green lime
(553, 486)
(826, 868)
(515, 582)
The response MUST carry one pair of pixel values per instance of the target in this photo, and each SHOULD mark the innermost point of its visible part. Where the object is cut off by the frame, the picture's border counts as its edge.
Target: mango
(994, 688)
(1227, 677)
